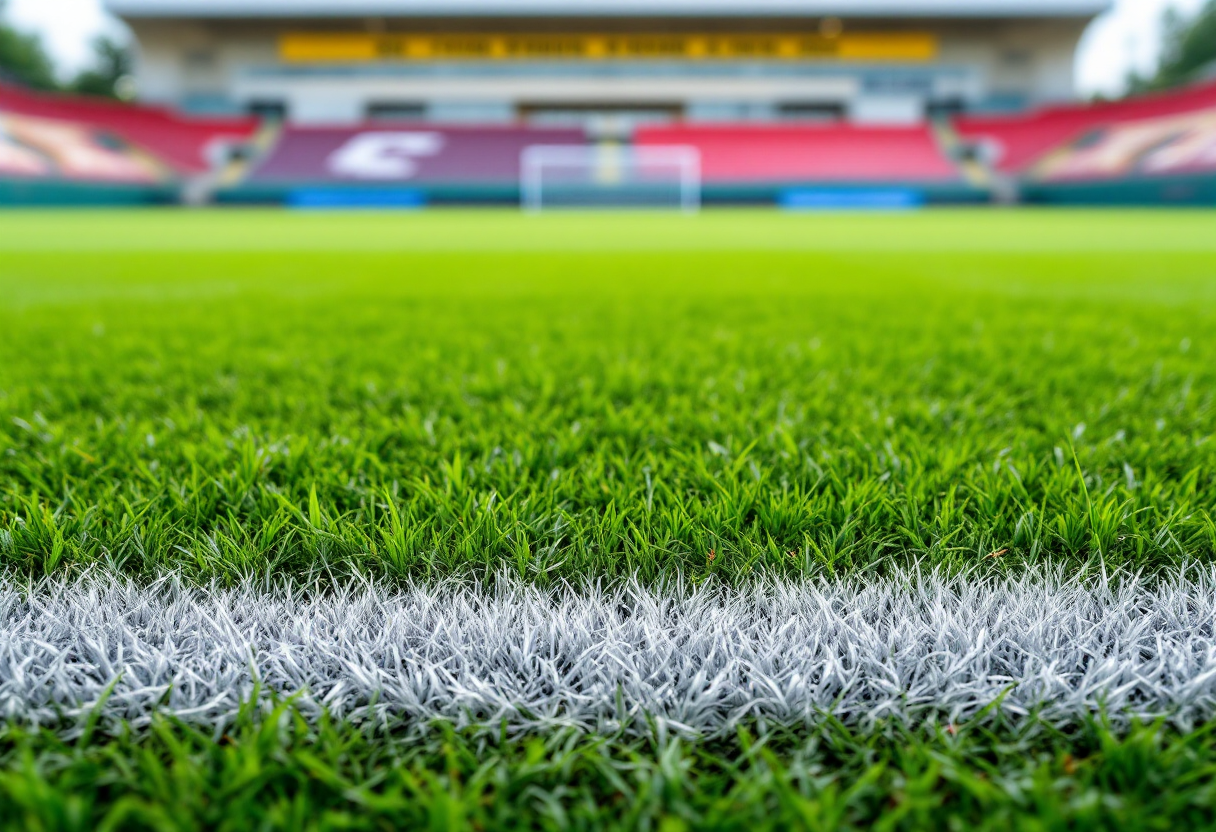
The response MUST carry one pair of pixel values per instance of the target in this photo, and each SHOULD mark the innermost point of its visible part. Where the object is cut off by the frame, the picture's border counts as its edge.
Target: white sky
(1122, 40)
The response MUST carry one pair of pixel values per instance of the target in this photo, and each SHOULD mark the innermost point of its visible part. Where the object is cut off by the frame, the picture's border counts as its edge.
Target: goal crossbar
(610, 176)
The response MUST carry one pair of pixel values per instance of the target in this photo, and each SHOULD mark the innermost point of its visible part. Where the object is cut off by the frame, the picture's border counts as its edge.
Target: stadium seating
(782, 154)
(422, 154)
(1021, 140)
(181, 144)
(1177, 145)
(1156, 148)
(406, 164)
(51, 148)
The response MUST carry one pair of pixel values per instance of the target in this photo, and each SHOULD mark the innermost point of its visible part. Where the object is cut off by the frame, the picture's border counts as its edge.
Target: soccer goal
(610, 176)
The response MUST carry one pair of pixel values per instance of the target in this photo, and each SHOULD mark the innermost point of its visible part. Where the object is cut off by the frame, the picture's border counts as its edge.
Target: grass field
(252, 398)
(562, 403)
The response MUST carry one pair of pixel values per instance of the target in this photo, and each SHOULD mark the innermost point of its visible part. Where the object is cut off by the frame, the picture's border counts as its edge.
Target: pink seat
(1023, 139)
(178, 142)
(733, 154)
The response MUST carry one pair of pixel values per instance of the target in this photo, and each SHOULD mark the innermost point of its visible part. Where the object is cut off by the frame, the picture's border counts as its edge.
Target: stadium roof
(606, 8)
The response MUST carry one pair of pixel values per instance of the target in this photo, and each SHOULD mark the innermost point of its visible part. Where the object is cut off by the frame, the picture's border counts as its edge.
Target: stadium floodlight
(610, 176)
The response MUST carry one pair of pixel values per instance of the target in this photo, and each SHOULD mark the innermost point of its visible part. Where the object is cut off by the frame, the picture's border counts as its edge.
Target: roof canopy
(607, 8)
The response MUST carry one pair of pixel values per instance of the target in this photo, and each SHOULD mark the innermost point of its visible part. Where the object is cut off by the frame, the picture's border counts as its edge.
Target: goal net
(610, 176)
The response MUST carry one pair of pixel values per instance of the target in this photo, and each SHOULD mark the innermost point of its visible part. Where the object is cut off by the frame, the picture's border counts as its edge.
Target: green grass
(235, 394)
(284, 772)
(416, 396)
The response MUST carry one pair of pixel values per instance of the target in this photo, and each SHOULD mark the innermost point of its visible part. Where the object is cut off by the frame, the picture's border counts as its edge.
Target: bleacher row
(1158, 148)
(57, 149)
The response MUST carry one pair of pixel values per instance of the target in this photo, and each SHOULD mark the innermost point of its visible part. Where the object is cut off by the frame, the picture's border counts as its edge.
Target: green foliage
(283, 772)
(1189, 49)
(111, 70)
(23, 59)
(597, 411)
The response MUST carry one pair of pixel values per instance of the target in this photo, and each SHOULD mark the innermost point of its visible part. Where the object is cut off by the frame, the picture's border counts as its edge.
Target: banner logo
(383, 155)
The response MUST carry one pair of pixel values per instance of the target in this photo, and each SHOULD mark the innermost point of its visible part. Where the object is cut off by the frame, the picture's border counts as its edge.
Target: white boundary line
(911, 647)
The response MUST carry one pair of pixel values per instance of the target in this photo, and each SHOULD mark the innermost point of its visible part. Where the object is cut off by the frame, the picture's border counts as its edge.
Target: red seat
(1022, 140)
(37, 147)
(810, 153)
(179, 142)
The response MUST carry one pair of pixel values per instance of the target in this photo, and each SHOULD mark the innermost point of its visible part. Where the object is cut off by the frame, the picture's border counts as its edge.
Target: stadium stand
(439, 163)
(809, 153)
(763, 162)
(1152, 149)
(57, 149)
(1015, 142)
(186, 146)
(1182, 144)
(50, 161)
(40, 147)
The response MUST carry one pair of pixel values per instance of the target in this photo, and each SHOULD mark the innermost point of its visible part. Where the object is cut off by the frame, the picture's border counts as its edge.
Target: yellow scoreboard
(309, 47)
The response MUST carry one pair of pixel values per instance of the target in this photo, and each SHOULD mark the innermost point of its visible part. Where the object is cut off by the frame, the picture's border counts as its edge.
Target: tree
(110, 73)
(23, 59)
(1188, 51)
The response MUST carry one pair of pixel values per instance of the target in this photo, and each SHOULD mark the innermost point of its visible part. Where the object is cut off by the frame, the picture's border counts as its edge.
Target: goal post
(610, 176)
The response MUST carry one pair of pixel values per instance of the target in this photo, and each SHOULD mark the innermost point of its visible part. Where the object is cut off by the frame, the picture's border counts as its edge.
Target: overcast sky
(1125, 39)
